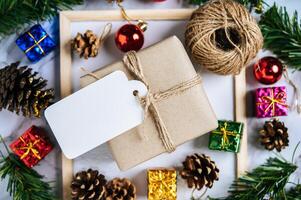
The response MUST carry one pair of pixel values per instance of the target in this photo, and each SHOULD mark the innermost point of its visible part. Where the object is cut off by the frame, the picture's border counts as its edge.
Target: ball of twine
(223, 37)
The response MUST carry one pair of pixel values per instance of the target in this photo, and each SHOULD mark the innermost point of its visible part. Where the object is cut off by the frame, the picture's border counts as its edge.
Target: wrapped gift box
(32, 146)
(226, 137)
(186, 116)
(35, 43)
(162, 184)
(271, 102)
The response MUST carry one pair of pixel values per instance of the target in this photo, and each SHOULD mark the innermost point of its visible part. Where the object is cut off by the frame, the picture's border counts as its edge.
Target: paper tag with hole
(96, 114)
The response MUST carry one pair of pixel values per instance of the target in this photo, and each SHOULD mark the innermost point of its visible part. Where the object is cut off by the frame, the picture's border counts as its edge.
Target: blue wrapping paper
(36, 43)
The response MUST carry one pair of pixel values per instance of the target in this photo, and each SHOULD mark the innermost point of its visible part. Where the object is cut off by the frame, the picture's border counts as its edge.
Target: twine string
(133, 65)
(105, 33)
(141, 23)
(200, 36)
(297, 94)
(123, 13)
(199, 197)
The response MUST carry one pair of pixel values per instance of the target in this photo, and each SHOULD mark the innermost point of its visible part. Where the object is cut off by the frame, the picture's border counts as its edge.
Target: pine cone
(274, 135)
(88, 185)
(199, 171)
(86, 45)
(20, 90)
(121, 189)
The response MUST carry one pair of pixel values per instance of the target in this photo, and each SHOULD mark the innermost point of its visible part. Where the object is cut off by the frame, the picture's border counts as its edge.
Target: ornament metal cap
(142, 25)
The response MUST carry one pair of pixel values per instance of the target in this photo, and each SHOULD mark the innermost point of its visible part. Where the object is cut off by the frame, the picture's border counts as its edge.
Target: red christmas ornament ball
(268, 70)
(129, 37)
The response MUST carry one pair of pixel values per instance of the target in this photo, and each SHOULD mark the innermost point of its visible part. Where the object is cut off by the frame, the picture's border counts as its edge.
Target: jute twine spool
(223, 37)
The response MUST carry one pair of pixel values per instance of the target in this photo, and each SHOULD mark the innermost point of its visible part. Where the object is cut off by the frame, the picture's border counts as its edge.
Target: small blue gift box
(36, 43)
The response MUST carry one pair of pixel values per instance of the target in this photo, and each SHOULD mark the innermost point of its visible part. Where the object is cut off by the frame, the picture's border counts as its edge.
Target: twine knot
(132, 63)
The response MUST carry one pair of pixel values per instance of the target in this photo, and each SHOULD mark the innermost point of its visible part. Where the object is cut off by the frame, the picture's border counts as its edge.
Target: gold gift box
(162, 184)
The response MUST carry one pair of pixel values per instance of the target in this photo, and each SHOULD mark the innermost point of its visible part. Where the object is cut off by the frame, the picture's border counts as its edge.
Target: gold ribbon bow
(36, 43)
(273, 101)
(29, 148)
(132, 63)
(225, 133)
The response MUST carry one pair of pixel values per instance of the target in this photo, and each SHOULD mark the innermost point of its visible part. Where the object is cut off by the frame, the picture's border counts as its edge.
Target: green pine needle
(282, 35)
(14, 14)
(23, 183)
(197, 2)
(294, 193)
(267, 180)
(250, 4)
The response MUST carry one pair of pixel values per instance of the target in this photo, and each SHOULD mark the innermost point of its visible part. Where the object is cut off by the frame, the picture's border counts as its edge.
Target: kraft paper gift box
(186, 116)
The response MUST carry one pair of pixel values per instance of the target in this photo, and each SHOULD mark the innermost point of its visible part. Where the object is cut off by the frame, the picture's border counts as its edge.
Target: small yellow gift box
(162, 184)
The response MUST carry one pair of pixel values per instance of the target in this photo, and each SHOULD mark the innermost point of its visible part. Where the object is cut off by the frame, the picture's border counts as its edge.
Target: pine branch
(14, 14)
(282, 35)
(267, 180)
(23, 183)
(250, 4)
(294, 193)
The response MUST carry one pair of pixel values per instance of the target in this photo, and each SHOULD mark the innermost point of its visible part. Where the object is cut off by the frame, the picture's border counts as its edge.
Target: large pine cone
(199, 171)
(274, 135)
(121, 189)
(88, 185)
(86, 45)
(21, 90)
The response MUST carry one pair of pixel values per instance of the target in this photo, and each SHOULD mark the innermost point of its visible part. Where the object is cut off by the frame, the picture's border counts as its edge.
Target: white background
(218, 88)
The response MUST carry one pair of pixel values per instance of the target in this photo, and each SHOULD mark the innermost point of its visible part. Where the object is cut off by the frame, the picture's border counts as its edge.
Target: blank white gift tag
(96, 114)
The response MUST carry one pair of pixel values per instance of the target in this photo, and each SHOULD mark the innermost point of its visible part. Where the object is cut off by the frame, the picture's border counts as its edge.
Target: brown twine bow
(133, 65)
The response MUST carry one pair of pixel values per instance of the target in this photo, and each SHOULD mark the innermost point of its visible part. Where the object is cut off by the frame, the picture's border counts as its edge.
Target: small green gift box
(226, 137)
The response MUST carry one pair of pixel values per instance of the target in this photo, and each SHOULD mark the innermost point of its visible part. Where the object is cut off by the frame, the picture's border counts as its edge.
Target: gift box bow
(36, 43)
(225, 134)
(29, 148)
(273, 100)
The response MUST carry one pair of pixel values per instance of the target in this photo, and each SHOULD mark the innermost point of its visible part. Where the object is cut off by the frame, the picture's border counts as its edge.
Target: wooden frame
(67, 17)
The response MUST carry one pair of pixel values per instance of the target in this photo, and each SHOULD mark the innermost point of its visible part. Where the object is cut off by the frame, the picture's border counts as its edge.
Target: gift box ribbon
(29, 148)
(225, 134)
(36, 43)
(133, 65)
(273, 100)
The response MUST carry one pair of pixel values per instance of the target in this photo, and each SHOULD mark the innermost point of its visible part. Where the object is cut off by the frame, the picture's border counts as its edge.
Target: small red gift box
(32, 146)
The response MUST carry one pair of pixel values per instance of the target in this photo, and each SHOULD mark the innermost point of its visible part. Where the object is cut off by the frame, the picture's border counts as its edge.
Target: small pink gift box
(271, 102)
